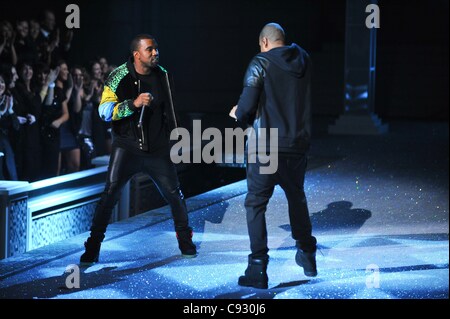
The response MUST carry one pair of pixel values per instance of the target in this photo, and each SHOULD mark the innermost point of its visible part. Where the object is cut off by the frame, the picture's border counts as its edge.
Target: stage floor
(379, 208)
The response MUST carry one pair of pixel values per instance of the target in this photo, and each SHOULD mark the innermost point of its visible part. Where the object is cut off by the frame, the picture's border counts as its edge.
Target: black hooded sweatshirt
(276, 94)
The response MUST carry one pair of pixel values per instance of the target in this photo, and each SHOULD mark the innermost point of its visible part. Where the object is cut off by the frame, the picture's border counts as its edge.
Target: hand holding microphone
(144, 99)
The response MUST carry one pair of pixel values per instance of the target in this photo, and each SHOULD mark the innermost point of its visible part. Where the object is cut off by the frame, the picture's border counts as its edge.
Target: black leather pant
(122, 166)
(290, 175)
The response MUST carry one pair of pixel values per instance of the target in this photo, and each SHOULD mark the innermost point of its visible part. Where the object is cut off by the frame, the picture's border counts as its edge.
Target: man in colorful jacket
(137, 99)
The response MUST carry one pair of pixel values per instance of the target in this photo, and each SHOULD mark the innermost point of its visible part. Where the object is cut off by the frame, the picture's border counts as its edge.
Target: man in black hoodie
(276, 96)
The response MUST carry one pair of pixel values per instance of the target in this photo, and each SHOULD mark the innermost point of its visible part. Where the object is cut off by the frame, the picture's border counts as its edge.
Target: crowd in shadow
(49, 124)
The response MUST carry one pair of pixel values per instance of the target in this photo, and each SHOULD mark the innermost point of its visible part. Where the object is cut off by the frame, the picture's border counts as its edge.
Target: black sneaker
(92, 252)
(307, 261)
(185, 243)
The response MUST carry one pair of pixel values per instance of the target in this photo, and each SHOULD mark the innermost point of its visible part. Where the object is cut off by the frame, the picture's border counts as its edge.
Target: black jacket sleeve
(253, 86)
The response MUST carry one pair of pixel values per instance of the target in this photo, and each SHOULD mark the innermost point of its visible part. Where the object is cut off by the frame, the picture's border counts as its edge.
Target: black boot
(307, 261)
(185, 243)
(92, 252)
(256, 273)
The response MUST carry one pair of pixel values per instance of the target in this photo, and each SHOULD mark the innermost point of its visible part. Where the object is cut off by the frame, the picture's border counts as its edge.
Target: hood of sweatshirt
(292, 59)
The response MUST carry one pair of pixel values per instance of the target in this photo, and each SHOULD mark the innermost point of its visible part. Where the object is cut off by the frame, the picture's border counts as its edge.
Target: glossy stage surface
(379, 208)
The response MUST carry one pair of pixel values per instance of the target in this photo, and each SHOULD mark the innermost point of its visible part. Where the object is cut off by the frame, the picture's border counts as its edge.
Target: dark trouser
(8, 156)
(50, 156)
(122, 166)
(290, 176)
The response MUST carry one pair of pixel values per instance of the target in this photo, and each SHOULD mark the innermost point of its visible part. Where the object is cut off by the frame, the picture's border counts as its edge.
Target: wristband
(51, 85)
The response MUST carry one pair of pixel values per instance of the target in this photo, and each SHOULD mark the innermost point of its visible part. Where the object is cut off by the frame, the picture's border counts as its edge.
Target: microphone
(142, 112)
(141, 116)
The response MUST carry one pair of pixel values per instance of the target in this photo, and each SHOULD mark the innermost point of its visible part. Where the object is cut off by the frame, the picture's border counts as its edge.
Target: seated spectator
(24, 45)
(7, 39)
(27, 143)
(8, 123)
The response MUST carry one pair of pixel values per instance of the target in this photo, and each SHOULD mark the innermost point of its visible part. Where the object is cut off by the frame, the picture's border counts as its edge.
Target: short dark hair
(41, 67)
(22, 63)
(134, 45)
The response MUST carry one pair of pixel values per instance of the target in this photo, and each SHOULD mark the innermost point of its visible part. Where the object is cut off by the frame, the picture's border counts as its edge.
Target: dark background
(206, 45)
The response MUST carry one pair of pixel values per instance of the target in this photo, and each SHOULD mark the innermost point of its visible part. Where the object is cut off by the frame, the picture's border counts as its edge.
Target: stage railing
(36, 214)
